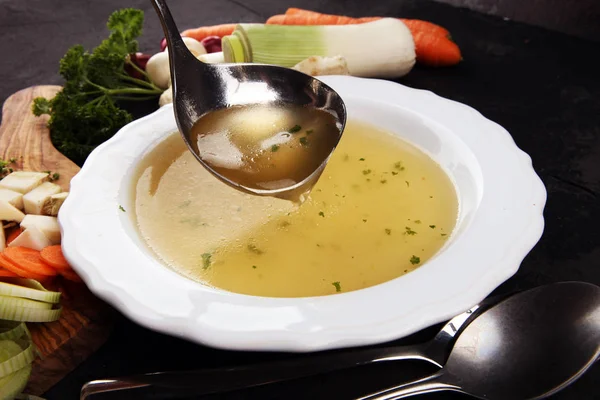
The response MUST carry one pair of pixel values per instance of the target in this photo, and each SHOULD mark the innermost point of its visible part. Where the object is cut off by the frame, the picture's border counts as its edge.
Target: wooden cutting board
(85, 322)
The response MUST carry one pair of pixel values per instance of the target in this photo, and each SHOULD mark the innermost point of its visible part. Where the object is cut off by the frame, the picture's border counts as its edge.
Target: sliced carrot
(7, 274)
(70, 275)
(13, 233)
(203, 32)
(54, 257)
(29, 260)
(14, 268)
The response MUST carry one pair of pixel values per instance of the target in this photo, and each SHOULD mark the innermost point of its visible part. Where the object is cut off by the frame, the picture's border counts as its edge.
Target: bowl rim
(165, 301)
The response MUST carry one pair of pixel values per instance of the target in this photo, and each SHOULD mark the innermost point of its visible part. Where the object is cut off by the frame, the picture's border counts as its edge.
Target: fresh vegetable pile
(31, 259)
(30, 234)
(100, 86)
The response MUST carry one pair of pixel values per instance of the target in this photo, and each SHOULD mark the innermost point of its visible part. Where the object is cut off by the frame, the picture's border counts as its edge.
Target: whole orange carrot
(436, 51)
(205, 31)
(413, 24)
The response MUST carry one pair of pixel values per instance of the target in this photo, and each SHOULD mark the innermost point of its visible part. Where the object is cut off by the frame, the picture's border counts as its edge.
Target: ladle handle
(178, 51)
(431, 384)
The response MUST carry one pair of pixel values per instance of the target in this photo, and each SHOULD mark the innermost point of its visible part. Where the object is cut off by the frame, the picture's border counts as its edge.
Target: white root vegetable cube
(8, 212)
(12, 197)
(31, 238)
(23, 181)
(2, 238)
(47, 225)
(53, 204)
(34, 200)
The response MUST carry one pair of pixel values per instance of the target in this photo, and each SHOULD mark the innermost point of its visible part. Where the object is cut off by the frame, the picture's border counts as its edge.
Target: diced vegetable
(44, 223)
(23, 181)
(8, 212)
(212, 58)
(34, 200)
(31, 238)
(52, 205)
(12, 234)
(12, 197)
(383, 48)
(316, 66)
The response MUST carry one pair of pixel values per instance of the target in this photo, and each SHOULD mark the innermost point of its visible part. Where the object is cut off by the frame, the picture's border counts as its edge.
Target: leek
(13, 384)
(19, 302)
(13, 357)
(10, 330)
(382, 48)
(29, 289)
(26, 314)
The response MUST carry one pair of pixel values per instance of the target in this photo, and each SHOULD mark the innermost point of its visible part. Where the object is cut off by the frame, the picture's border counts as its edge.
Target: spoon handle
(178, 51)
(432, 383)
(202, 382)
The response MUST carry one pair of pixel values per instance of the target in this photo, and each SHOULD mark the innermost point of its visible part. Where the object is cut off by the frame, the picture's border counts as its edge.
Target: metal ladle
(200, 88)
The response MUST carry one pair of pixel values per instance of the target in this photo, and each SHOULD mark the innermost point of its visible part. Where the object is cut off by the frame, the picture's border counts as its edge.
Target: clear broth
(265, 147)
(381, 209)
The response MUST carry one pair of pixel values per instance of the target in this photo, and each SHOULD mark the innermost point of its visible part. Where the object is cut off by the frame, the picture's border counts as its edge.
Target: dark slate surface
(543, 87)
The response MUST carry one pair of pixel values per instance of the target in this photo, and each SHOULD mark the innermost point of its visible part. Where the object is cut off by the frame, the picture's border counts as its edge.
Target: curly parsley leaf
(90, 108)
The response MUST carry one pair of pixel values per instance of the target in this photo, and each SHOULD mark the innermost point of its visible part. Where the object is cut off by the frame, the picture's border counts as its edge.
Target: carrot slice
(28, 260)
(13, 233)
(14, 268)
(70, 275)
(7, 274)
(53, 256)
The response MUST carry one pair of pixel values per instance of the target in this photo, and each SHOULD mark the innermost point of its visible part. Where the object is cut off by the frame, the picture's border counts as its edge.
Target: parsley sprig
(88, 110)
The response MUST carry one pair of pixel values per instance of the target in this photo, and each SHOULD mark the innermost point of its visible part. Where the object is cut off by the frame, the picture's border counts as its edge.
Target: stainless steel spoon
(527, 347)
(203, 382)
(199, 88)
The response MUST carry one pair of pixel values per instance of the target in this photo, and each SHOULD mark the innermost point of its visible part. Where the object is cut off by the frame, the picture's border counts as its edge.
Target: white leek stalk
(382, 48)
